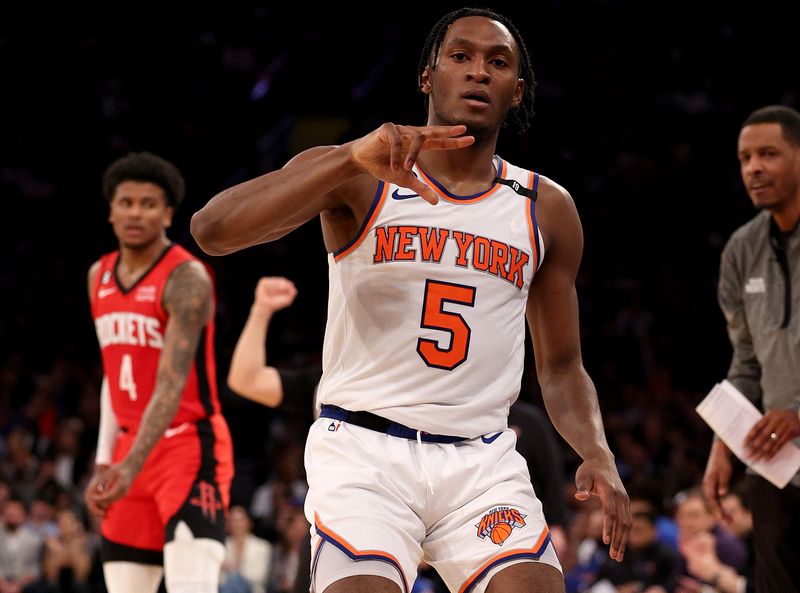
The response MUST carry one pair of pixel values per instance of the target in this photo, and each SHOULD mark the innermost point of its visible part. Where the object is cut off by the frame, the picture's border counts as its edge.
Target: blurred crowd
(638, 122)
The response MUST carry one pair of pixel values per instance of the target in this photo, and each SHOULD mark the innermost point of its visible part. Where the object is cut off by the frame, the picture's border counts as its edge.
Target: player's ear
(168, 213)
(425, 80)
(518, 92)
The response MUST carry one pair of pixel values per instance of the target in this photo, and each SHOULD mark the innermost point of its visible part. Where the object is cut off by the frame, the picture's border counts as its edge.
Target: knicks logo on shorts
(498, 524)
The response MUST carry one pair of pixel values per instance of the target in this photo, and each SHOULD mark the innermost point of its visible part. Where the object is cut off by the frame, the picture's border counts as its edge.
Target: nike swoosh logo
(491, 439)
(104, 292)
(396, 195)
(171, 432)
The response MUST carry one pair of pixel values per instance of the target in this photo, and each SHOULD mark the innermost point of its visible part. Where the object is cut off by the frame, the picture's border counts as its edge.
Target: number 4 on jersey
(435, 317)
(126, 382)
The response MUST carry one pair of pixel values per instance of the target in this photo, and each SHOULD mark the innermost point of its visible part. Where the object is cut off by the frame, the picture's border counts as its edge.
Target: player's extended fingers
(417, 140)
(448, 143)
(622, 527)
(395, 146)
(609, 519)
(440, 131)
(425, 192)
(438, 137)
(615, 514)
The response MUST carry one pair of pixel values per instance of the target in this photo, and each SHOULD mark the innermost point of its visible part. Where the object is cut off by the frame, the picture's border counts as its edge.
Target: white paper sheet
(731, 416)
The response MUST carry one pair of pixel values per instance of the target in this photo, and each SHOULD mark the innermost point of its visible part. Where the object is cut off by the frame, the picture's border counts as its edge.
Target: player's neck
(135, 259)
(465, 171)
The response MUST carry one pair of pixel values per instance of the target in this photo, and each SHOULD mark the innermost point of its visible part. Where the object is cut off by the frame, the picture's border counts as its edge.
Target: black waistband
(379, 424)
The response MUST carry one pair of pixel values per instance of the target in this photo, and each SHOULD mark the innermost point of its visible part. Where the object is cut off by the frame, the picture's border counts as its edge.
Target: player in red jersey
(164, 457)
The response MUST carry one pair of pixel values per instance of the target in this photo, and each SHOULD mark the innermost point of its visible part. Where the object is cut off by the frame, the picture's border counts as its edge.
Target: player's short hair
(788, 118)
(145, 167)
(521, 115)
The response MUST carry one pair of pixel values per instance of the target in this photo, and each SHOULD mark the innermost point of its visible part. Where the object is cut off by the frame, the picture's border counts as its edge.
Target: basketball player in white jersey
(438, 250)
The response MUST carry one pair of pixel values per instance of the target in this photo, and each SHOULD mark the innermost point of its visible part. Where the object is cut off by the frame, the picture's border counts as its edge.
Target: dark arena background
(638, 108)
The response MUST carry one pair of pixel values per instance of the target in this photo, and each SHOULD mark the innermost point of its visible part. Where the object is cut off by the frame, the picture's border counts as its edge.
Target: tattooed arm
(188, 301)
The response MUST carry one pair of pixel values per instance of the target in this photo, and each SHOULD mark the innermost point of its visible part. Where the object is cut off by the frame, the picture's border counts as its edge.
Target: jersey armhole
(103, 267)
(537, 245)
(372, 214)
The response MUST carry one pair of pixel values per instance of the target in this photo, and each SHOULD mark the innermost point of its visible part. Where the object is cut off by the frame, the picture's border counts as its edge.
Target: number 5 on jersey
(126, 382)
(434, 316)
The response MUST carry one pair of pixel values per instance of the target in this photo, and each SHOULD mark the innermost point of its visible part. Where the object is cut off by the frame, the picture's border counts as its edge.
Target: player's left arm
(188, 299)
(569, 394)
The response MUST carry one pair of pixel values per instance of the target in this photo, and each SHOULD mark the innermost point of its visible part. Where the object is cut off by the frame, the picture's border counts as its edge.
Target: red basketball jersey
(130, 326)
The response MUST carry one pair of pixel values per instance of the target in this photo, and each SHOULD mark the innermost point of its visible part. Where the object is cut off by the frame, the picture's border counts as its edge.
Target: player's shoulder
(91, 276)
(556, 215)
(190, 272)
(185, 272)
(554, 206)
(98, 265)
(176, 256)
(95, 268)
(549, 194)
(552, 193)
(189, 289)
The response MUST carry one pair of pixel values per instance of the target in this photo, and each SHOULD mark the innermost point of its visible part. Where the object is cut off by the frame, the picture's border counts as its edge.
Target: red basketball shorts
(186, 478)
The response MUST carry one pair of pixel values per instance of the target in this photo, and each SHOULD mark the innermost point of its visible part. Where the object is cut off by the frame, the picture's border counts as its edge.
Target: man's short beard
(481, 134)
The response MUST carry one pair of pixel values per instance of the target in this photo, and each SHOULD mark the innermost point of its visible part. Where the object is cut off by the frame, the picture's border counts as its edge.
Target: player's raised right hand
(389, 153)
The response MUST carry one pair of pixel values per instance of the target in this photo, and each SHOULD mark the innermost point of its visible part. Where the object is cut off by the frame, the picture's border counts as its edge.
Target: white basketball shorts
(467, 508)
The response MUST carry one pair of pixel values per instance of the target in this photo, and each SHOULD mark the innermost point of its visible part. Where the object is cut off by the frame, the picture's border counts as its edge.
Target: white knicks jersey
(426, 309)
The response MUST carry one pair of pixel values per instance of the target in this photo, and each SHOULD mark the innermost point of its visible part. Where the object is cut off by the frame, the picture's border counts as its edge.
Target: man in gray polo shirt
(759, 293)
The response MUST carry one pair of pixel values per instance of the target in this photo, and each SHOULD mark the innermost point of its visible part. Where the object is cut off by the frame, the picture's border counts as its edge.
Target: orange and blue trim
(328, 536)
(317, 550)
(372, 214)
(533, 227)
(453, 198)
(533, 553)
